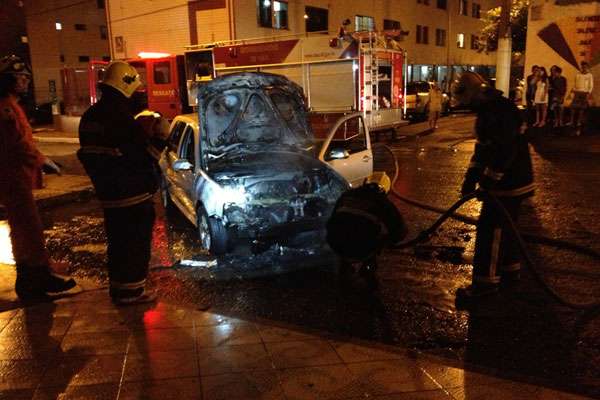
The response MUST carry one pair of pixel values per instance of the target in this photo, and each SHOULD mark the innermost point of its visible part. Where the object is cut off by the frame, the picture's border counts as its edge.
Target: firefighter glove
(50, 167)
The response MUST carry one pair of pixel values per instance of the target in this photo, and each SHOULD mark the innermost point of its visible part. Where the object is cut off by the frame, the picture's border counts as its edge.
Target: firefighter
(500, 165)
(20, 162)
(363, 222)
(117, 154)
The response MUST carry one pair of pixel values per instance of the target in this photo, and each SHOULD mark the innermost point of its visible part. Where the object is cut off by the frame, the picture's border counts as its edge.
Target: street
(522, 333)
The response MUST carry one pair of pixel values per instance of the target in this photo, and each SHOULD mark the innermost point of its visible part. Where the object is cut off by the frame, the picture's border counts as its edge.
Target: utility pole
(504, 52)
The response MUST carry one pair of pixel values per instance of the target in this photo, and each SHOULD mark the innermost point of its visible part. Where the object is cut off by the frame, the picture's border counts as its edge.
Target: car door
(170, 155)
(347, 149)
(184, 171)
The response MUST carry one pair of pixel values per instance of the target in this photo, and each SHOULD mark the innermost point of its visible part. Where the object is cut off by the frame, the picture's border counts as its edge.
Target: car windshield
(255, 117)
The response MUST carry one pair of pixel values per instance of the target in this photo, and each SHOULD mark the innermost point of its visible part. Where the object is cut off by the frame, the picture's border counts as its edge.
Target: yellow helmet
(122, 77)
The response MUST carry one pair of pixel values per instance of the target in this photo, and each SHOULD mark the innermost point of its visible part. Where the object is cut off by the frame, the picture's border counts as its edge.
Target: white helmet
(123, 77)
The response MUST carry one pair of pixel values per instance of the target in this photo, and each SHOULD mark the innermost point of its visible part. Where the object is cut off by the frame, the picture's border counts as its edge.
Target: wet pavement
(521, 335)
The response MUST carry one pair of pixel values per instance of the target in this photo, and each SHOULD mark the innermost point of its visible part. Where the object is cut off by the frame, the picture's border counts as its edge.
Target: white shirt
(584, 83)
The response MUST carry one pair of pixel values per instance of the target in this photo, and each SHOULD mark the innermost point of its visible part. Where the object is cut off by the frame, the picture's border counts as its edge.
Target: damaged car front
(260, 179)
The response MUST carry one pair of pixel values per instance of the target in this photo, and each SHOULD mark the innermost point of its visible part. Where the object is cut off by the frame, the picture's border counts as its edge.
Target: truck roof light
(152, 54)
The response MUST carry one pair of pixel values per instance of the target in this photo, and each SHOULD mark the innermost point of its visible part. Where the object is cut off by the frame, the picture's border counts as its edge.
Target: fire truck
(362, 71)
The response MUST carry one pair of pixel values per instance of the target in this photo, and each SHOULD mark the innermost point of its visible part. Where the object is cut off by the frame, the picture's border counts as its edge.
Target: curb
(67, 140)
(82, 194)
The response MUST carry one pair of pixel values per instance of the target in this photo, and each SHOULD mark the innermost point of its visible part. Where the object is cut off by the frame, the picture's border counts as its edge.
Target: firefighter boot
(124, 297)
(470, 295)
(38, 283)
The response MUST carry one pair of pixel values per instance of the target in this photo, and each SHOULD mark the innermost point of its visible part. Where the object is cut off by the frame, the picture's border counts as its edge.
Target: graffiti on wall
(575, 39)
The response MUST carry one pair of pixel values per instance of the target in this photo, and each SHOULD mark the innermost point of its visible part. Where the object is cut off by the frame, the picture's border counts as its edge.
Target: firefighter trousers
(26, 229)
(129, 237)
(496, 247)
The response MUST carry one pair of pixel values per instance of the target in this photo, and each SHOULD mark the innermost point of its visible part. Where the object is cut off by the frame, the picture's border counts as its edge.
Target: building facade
(439, 33)
(13, 31)
(63, 37)
(565, 33)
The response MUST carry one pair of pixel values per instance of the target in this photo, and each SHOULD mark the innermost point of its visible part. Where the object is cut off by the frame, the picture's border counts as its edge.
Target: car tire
(211, 233)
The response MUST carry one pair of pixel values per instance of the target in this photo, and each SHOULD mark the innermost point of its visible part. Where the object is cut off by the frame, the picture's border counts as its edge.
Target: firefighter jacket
(501, 162)
(20, 161)
(115, 152)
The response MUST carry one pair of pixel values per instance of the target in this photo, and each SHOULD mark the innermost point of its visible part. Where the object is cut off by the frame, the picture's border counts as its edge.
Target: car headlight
(234, 194)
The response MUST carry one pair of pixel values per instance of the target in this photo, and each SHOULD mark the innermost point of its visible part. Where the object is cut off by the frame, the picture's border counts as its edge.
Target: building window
(80, 27)
(84, 59)
(463, 6)
(422, 34)
(100, 3)
(440, 37)
(364, 23)
(273, 14)
(460, 40)
(58, 26)
(162, 72)
(317, 19)
(443, 4)
(103, 32)
(62, 58)
(474, 42)
(390, 24)
(476, 11)
(426, 2)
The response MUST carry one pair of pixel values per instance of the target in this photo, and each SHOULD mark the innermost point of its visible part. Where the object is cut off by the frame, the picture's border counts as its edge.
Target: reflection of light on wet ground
(6, 256)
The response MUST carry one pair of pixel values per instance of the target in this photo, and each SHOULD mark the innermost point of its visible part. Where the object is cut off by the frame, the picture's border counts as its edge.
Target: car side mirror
(182, 165)
(338, 154)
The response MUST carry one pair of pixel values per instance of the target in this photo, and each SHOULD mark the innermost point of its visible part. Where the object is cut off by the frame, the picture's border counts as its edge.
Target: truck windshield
(248, 116)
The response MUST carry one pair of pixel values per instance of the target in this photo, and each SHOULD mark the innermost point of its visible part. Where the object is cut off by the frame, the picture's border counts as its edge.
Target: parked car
(417, 97)
(247, 166)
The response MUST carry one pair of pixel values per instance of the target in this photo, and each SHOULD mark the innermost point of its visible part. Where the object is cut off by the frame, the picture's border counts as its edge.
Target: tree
(488, 35)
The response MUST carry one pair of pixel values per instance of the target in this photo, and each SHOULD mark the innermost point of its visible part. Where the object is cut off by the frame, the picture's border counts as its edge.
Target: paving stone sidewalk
(83, 347)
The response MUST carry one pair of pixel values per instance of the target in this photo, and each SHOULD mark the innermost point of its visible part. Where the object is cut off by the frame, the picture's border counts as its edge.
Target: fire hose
(426, 234)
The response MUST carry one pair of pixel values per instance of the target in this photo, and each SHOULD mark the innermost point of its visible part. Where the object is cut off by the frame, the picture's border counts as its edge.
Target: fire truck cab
(163, 85)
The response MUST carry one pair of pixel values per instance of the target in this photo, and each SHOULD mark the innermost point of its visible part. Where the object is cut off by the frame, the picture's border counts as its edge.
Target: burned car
(247, 165)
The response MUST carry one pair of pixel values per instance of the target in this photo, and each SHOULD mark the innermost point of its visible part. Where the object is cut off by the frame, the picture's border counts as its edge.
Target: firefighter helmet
(14, 65)
(123, 77)
(468, 87)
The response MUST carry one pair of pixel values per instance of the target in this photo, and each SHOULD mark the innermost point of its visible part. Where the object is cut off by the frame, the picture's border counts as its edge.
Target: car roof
(191, 118)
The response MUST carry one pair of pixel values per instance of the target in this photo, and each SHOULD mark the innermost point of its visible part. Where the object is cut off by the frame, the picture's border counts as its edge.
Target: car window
(175, 135)
(424, 87)
(162, 72)
(350, 136)
(186, 151)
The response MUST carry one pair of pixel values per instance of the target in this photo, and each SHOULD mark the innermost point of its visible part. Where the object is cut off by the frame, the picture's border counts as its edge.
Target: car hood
(252, 109)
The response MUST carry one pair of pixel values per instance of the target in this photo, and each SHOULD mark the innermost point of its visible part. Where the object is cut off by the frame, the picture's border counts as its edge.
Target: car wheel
(165, 196)
(211, 233)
